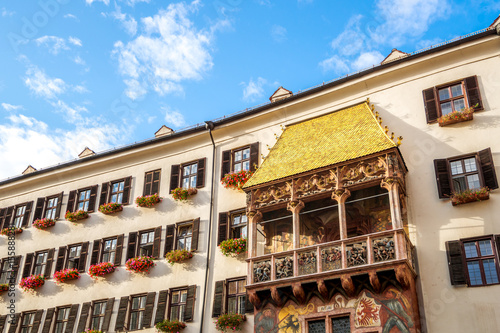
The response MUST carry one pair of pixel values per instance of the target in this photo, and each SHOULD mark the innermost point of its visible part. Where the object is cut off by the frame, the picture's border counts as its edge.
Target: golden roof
(330, 139)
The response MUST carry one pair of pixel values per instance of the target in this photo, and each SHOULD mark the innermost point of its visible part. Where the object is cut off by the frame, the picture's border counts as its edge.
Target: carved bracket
(323, 290)
(295, 206)
(347, 284)
(276, 297)
(254, 299)
(374, 281)
(403, 276)
(298, 292)
(341, 195)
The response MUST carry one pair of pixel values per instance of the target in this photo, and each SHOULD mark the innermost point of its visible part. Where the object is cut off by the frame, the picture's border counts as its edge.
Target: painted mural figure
(397, 308)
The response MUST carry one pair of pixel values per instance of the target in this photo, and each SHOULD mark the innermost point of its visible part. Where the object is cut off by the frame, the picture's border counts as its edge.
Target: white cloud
(80, 89)
(278, 33)
(11, 107)
(42, 85)
(79, 61)
(367, 59)
(6, 12)
(253, 90)
(133, 2)
(89, 2)
(335, 64)
(56, 44)
(70, 16)
(75, 41)
(128, 22)
(174, 118)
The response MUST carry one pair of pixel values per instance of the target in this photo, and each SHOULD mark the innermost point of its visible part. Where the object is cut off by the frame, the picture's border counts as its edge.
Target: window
(62, 318)
(48, 207)
(460, 173)
(450, 97)
(316, 326)
(181, 305)
(135, 312)
(152, 182)
(107, 250)
(188, 175)
(72, 256)
(99, 313)
(239, 225)
(97, 317)
(39, 263)
(51, 208)
(116, 191)
(341, 325)
(82, 199)
(182, 236)
(146, 240)
(243, 158)
(144, 243)
(230, 297)
(22, 215)
(9, 269)
(27, 322)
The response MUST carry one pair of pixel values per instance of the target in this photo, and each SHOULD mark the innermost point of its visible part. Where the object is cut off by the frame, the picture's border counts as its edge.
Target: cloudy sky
(105, 73)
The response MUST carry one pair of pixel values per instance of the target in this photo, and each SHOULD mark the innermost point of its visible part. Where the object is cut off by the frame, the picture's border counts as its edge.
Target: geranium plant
(140, 264)
(76, 216)
(148, 200)
(170, 326)
(88, 330)
(456, 116)
(42, 224)
(182, 194)
(13, 230)
(459, 198)
(4, 287)
(178, 256)
(236, 180)
(229, 322)
(101, 269)
(66, 275)
(233, 246)
(110, 208)
(32, 282)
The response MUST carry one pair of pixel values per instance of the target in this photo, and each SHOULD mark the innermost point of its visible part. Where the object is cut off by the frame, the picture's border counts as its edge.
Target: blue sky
(105, 73)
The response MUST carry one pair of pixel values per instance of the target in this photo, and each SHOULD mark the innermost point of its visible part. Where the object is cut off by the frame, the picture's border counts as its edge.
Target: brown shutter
(155, 187)
(455, 262)
(61, 255)
(119, 250)
(84, 315)
(248, 305)
(189, 309)
(489, 174)
(217, 307)
(222, 227)
(8, 217)
(131, 248)
(148, 182)
(148, 310)
(104, 194)
(36, 321)
(71, 201)
(174, 177)
(59, 205)
(27, 214)
(431, 105)
(442, 178)
(40, 202)
(122, 314)
(169, 239)
(73, 312)
(48, 265)
(126, 190)
(92, 199)
(3, 211)
(107, 314)
(82, 262)
(15, 270)
(14, 322)
(27, 265)
(497, 241)
(226, 163)
(200, 176)
(473, 94)
(254, 156)
(48, 320)
(161, 307)
(156, 243)
(94, 258)
(3, 319)
(196, 231)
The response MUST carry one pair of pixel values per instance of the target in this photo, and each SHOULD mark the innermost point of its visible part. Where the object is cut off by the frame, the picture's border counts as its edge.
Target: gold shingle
(330, 139)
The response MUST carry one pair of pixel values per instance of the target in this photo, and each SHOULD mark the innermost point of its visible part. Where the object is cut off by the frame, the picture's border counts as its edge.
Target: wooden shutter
(196, 231)
(497, 241)
(161, 307)
(131, 248)
(174, 177)
(248, 305)
(200, 176)
(119, 250)
(170, 237)
(8, 216)
(222, 227)
(226, 163)
(84, 315)
(431, 105)
(61, 256)
(156, 243)
(71, 202)
(126, 190)
(27, 265)
(104, 194)
(488, 169)
(82, 262)
(473, 94)
(107, 314)
(455, 262)
(254, 156)
(15, 270)
(218, 305)
(48, 265)
(27, 214)
(189, 309)
(40, 203)
(442, 178)
(14, 322)
(94, 258)
(59, 205)
(3, 211)
(48, 320)
(92, 199)
(73, 312)
(148, 183)
(3, 319)
(36, 321)
(122, 314)
(155, 187)
(148, 310)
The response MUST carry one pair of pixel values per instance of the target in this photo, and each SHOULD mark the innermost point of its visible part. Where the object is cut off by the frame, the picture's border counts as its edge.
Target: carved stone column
(341, 195)
(391, 185)
(295, 207)
(254, 217)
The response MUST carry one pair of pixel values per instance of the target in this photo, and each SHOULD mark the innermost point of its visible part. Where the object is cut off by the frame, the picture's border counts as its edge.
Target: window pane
(459, 184)
(135, 303)
(187, 170)
(193, 182)
(485, 248)
(444, 94)
(246, 154)
(490, 271)
(241, 287)
(317, 326)
(456, 90)
(133, 320)
(194, 168)
(236, 219)
(232, 305)
(122, 184)
(473, 181)
(246, 165)
(115, 187)
(238, 155)
(459, 104)
(243, 232)
(341, 325)
(185, 183)
(470, 250)
(174, 313)
(144, 238)
(474, 273)
(446, 108)
(237, 167)
(184, 295)
(119, 198)
(175, 297)
(232, 288)
(470, 164)
(456, 167)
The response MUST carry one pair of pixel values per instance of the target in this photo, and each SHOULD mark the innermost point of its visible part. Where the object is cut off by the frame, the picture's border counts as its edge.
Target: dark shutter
(73, 312)
(14, 322)
(169, 239)
(92, 199)
(84, 315)
(442, 178)
(59, 205)
(48, 320)
(132, 240)
(156, 243)
(119, 250)
(161, 307)
(104, 194)
(126, 190)
(189, 309)
(222, 228)
(174, 177)
(71, 202)
(254, 156)
(455, 262)
(82, 262)
(431, 105)
(226, 163)
(148, 310)
(3, 211)
(497, 241)
(148, 182)
(107, 314)
(217, 307)
(48, 265)
(488, 169)
(122, 314)
(196, 231)
(200, 176)
(27, 214)
(155, 187)
(61, 255)
(40, 202)
(8, 216)
(248, 305)
(3, 319)
(36, 321)
(473, 94)
(94, 258)
(15, 270)
(27, 265)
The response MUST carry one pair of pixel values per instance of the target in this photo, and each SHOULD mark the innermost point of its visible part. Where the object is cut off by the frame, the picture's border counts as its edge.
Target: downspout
(209, 126)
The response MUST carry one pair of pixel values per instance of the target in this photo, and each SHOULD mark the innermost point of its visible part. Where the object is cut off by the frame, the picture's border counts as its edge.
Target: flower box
(110, 208)
(4, 287)
(101, 269)
(178, 256)
(8, 231)
(181, 194)
(229, 322)
(42, 224)
(32, 282)
(88, 330)
(236, 180)
(456, 117)
(148, 200)
(66, 275)
(140, 264)
(234, 246)
(170, 326)
(470, 196)
(76, 216)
